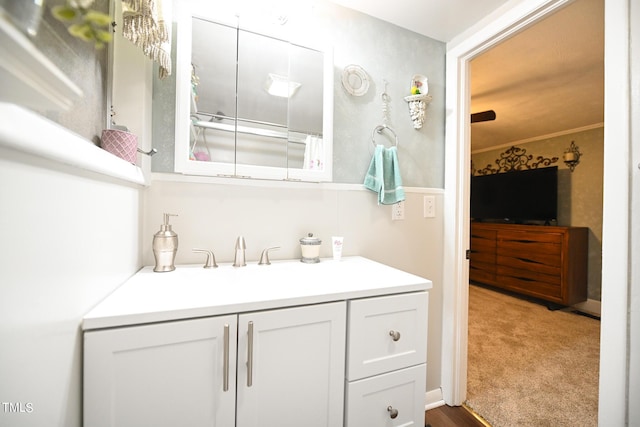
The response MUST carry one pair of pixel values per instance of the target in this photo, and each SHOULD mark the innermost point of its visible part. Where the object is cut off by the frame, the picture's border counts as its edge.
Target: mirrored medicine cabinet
(250, 104)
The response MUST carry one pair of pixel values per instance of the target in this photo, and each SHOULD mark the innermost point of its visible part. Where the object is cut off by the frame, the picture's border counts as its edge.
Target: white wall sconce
(418, 109)
(572, 156)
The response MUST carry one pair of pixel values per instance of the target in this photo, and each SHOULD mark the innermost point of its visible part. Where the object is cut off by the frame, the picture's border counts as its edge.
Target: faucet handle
(240, 243)
(239, 260)
(264, 258)
(211, 258)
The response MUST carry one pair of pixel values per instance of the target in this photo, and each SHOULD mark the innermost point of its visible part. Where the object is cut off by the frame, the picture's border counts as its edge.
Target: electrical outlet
(429, 206)
(397, 211)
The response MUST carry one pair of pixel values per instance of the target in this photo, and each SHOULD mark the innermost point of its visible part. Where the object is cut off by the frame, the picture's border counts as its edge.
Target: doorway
(546, 84)
(614, 344)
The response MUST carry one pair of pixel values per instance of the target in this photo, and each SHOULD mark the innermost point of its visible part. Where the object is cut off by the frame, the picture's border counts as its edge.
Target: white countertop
(192, 291)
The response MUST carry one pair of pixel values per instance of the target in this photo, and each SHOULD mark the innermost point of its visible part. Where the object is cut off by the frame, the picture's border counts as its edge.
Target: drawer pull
(225, 376)
(395, 335)
(529, 261)
(250, 355)
(393, 412)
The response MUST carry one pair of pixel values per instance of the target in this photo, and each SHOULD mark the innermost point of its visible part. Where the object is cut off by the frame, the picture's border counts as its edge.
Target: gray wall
(386, 52)
(83, 65)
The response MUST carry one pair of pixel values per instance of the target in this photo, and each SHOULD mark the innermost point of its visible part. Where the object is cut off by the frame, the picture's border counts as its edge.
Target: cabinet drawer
(482, 272)
(542, 263)
(386, 334)
(530, 237)
(530, 283)
(482, 233)
(482, 257)
(371, 402)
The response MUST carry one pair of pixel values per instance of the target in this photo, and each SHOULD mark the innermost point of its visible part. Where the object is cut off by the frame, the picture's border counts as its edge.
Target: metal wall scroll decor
(514, 159)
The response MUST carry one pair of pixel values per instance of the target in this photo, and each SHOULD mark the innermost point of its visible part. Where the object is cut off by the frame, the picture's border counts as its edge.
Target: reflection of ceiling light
(281, 19)
(281, 86)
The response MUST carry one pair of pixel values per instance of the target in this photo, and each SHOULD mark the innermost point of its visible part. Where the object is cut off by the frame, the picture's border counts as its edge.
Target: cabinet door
(393, 399)
(386, 333)
(169, 374)
(291, 367)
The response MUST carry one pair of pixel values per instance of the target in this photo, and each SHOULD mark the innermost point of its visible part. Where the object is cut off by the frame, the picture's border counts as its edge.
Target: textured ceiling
(439, 19)
(544, 81)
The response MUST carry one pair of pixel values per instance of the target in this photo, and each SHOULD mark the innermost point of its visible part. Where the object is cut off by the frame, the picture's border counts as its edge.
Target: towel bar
(379, 129)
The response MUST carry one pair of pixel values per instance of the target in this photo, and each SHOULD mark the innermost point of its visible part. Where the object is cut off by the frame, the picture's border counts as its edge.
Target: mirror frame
(182, 163)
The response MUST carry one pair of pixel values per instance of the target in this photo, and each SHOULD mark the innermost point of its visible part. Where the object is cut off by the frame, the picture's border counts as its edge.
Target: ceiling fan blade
(483, 116)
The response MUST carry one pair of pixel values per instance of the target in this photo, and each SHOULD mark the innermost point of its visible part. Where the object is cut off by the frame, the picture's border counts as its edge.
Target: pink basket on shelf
(121, 143)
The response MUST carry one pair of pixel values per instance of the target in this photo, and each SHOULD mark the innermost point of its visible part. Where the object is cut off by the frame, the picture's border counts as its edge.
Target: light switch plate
(429, 206)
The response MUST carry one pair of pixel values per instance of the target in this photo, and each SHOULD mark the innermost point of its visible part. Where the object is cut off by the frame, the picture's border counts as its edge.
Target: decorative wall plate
(355, 80)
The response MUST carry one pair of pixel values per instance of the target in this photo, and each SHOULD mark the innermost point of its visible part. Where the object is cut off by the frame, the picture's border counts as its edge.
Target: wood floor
(451, 416)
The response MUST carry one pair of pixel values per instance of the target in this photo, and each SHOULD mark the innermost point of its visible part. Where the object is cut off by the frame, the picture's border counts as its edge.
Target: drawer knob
(393, 412)
(394, 334)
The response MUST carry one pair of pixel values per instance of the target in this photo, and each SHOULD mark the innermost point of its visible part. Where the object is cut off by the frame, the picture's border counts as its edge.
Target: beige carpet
(529, 366)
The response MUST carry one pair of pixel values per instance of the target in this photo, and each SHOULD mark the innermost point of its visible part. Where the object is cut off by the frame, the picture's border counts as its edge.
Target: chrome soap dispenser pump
(165, 246)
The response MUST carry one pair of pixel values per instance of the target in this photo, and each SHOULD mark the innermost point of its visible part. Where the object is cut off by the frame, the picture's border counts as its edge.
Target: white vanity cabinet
(290, 366)
(292, 344)
(165, 374)
(387, 355)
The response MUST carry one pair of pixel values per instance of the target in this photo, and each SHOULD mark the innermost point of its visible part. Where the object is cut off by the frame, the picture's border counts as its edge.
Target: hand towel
(313, 153)
(383, 176)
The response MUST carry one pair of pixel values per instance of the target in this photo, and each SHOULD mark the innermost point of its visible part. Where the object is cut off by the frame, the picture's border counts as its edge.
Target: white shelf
(27, 132)
(27, 77)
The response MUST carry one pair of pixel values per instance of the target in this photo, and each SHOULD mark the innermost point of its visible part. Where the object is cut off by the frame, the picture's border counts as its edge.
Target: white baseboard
(433, 399)
(589, 306)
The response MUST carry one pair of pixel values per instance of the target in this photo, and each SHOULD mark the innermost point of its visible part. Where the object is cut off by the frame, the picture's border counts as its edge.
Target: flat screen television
(520, 197)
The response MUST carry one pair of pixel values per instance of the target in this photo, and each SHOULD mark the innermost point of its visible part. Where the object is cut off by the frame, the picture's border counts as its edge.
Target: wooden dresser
(545, 262)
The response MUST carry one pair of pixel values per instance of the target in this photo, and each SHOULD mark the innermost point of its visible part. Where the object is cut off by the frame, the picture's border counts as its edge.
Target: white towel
(313, 153)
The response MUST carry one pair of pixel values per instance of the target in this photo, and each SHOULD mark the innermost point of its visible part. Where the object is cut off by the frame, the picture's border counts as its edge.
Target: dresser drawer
(372, 402)
(386, 333)
(482, 233)
(481, 272)
(536, 285)
(530, 237)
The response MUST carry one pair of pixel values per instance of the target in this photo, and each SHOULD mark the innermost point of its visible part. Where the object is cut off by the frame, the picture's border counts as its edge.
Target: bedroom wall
(579, 192)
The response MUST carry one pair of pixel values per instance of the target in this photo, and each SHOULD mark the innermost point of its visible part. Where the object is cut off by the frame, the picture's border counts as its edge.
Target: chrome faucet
(211, 258)
(264, 258)
(239, 260)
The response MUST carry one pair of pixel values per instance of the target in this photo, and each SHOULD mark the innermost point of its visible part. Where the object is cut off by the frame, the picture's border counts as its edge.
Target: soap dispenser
(165, 246)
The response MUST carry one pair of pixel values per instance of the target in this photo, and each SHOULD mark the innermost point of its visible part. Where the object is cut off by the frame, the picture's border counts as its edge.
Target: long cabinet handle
(250, 355)
(225, 375)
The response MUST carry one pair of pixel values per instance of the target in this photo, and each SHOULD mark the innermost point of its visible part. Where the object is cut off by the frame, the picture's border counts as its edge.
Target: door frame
(503, 23)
